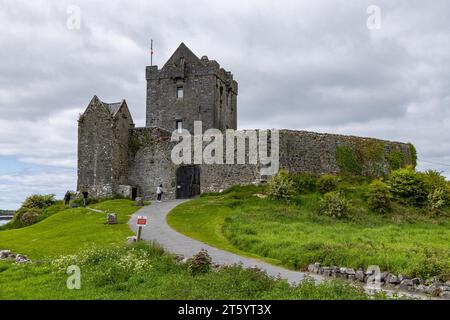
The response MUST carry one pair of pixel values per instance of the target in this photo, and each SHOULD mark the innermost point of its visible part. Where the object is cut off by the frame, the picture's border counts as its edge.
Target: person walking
(67, 198)
(85, 198)
(159, 192)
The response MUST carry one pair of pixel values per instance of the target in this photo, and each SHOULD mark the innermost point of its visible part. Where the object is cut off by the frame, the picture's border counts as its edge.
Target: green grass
(406, 241)
(104, 276)
(109, 270)
(69, 230)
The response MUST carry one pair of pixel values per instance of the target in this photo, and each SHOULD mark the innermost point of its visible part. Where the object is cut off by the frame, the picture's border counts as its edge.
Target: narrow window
(180, 92)
(181, 61)
(179, 126)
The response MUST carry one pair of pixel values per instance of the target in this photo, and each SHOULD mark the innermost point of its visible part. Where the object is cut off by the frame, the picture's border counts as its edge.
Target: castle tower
(103, 136)
(188, 89)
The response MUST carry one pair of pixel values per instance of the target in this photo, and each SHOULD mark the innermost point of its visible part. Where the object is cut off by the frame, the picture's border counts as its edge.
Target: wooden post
(139, 234)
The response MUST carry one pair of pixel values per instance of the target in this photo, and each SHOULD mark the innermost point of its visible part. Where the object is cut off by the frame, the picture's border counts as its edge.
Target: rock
(73, 205)
(406, 284)
(445, 288)
(445, 295)
(131, 240)
(310, 268)
(351, 277)
(393, 279)
(350, 272)
(4, 254)
(359, 275)
(316, 267)
(421, 288)
(112, 218)
(139, 202)
(401, 277)
(383, 276)
(417, 281)
(20, 258)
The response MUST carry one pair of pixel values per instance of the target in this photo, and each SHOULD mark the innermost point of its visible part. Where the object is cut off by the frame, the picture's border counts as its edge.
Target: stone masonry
(115, 158)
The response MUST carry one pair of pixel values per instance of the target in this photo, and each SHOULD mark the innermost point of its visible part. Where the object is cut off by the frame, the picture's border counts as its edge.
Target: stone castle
(116, 158)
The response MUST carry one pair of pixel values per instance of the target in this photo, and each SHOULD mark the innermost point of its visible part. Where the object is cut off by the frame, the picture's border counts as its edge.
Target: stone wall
(150, 163)
(302, 151)
(150, 160)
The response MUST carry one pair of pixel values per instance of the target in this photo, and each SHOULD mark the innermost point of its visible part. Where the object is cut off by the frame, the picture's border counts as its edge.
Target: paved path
(159, 231)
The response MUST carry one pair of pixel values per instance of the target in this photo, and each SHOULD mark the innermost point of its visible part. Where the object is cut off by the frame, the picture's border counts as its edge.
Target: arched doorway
(188, 181)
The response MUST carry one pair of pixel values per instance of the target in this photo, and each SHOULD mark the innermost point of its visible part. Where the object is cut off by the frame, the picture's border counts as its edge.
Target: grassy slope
(162, 279)
(295, 235)
(70, 230)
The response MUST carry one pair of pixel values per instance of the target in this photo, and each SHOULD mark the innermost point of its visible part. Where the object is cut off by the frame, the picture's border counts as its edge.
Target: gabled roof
(113, 107)
(181, 51)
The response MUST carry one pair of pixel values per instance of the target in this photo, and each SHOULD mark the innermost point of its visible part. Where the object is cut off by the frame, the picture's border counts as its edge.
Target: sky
(324, 65)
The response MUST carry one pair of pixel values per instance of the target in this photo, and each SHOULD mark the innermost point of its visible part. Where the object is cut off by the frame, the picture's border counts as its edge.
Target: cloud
(300, 64)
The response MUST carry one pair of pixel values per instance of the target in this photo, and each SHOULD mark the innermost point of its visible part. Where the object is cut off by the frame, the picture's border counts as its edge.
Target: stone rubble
(434, 286)
(9, 255)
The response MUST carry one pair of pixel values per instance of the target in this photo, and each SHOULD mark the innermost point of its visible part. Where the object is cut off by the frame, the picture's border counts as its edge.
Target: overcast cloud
(310, 65)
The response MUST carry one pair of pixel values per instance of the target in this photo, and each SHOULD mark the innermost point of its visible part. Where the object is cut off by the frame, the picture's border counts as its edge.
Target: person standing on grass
(85, 197)
(159, 192)
(67, 198)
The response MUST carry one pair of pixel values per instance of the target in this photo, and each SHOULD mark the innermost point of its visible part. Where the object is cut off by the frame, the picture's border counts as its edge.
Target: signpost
(141, 222)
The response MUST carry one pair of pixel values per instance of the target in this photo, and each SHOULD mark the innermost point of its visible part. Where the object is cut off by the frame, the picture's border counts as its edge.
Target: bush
(39, 201)
(408, 186)
(335, 205)
(434, 180)
(327, 183)
(379, 197)
(304, 182)
(437, 199)
(200, 263)
(281, 186)
(30, 216)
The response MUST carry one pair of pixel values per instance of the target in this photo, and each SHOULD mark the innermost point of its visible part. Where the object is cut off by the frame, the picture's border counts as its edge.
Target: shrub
(30, 216)
(437, 199)
(200, 263)
(281, 186)
(327, 183)
(434, 180)
(304, 182)
(335, 205)
(379, 197)
(39, 201)
(408, 186)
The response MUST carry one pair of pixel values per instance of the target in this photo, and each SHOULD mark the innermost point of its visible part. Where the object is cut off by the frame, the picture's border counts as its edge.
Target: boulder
(392, 279)
(20, 258)
(406, 284)
(417, 281)
(4, 254)
(311, 268)
(359, 275)
(112, 218)
(350, 272)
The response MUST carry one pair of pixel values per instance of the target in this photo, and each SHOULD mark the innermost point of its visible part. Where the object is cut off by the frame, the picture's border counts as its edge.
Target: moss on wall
(369, 157)
(348, 164)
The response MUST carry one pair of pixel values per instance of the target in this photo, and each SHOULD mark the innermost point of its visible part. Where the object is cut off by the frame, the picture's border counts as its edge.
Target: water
(3, 222)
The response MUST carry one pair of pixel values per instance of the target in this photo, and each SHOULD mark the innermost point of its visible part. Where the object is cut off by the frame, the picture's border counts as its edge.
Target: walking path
(159, 231)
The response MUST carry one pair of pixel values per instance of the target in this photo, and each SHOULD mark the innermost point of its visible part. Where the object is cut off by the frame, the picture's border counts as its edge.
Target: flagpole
(151, 52)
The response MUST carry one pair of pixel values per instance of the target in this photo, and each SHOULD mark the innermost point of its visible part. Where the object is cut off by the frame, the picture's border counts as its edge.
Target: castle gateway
(115, 158)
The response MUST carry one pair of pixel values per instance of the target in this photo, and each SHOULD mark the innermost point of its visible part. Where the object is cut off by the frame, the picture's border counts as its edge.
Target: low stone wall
(433, 286)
